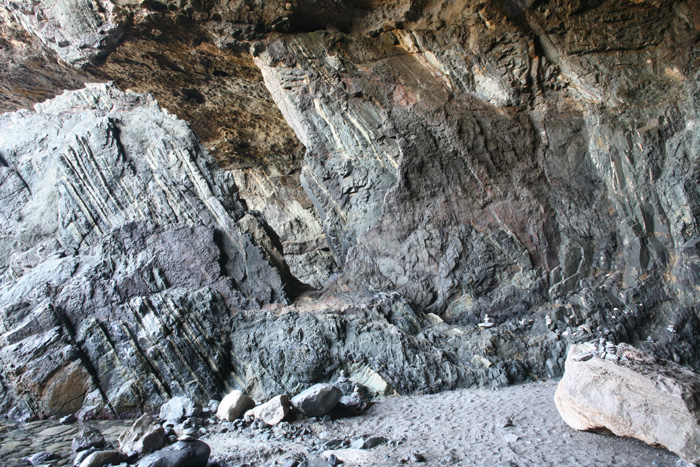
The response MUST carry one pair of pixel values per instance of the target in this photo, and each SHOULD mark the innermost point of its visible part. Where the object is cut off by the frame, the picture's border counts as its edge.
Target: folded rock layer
(128, 247)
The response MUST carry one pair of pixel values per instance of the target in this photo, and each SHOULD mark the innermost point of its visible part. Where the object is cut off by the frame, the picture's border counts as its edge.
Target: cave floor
(512, 426)
(456, 428)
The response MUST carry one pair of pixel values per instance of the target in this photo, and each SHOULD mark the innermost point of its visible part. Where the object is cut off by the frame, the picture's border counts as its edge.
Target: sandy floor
(460, 428)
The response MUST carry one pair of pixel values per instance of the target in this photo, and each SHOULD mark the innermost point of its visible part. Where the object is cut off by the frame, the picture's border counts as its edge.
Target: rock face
(80, 32)
(126, 243)
(509, 164)
(638, 396)
(489, 165)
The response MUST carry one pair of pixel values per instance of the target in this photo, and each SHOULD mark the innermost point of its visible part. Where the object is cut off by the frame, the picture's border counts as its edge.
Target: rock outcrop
(633, 395)
(128, 249)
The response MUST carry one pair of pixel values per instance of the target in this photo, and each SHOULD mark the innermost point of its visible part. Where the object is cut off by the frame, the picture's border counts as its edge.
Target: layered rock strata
(128, 247)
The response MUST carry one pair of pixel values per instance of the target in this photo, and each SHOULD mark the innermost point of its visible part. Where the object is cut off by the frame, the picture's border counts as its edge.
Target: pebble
(26, 439)
(582, 357)
(368, 443)
(510, 438)
(68, 420)
(41, 458)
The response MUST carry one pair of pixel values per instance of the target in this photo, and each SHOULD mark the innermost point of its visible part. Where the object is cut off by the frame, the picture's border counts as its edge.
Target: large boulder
(271, 412)
(102, 458)
(630, 393)
(234, 405)
(144, 436)
(177, 408)
(180, 454)
(88, 437)
(318, 400)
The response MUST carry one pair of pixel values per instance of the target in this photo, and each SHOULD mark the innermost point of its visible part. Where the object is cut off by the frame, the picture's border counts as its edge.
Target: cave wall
(497, 161)
(425, 165)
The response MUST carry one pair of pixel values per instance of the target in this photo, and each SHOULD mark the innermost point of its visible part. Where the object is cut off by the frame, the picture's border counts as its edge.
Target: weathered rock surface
(318, 400)
(218, 90)
(181, 454)
(235, 404)
(473, 167)
(271, 412)
(127, 243)
(80, 32)
(653, 400)
(145, 435)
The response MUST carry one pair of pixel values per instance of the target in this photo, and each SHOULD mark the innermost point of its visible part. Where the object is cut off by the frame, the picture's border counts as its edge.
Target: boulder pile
(172, 437)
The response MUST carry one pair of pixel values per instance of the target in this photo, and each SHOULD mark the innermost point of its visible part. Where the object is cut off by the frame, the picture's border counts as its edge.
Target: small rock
(178, 408)
(318, 400)
(88, 437)
(235, 404)
(213, 405)
(81, 456)
(333, 460)
(102, 458)
(193, 422)
(68, 420)
(41, 458)
(272, 412)
(510, 438)
(144, 436)
(354, 402)
(181, 454)
(417, 457)
(583, 356)
(368, 443)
